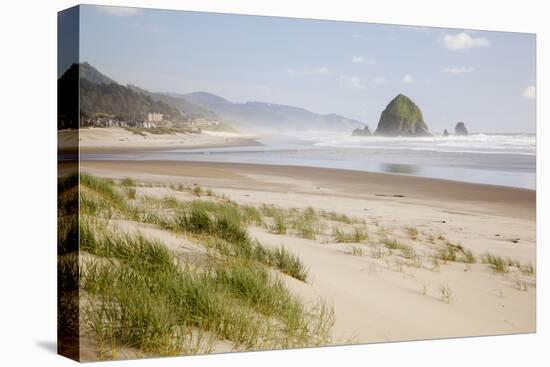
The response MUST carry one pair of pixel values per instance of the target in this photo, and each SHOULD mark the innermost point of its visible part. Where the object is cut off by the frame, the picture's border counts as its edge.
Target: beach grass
(356, 250)
(127, 181)
(307, 223)
(412, 232)
(104, 188)
(279, 223)
(498, 263)
(140, 295)
(446, 254)
(469, 257)
(358, 235)
(446, 293)
(392, 244)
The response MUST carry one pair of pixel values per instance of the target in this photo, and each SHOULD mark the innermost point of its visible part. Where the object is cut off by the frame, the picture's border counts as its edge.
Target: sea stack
(445, 133)
(362, 132)
(460, 129)
(402, 117)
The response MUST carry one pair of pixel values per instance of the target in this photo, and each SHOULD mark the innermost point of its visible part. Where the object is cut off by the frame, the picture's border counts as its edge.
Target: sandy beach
(117, 139)
(378, 298)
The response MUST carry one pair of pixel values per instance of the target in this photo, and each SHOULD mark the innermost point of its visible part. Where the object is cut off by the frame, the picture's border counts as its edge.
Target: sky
(486, 79)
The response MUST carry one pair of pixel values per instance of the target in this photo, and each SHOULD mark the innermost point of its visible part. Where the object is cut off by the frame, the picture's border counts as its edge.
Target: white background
(28, 182)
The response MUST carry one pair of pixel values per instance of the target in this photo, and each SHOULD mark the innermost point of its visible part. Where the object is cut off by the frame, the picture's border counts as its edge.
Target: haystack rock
(460, 129)
(402, 117)
(362, 132)
(445, 133)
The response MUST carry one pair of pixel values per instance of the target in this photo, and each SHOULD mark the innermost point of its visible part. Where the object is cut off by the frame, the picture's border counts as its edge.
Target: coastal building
(146, 124)
(154, 117)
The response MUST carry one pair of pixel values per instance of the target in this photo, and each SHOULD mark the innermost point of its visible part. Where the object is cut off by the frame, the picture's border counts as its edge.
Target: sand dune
(383, 298)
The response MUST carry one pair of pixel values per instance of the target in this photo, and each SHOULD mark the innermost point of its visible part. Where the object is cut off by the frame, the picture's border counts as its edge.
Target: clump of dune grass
(446, 254)
(229, 211)
(281, 218)
(412, 232)
(356, 250)
(392, 244)
(337, 217)
(527, 269)
(406, 251)
(375, 251)
(104, 188)
(131, 193)
(358, 235)
(95, 205)
(251, 214)
(307, 223)
(496, 262)
(127, 181)
(288, 263)
(197, 190)
(279, 223)
(446, 293)
(455, 253)
(468, 257)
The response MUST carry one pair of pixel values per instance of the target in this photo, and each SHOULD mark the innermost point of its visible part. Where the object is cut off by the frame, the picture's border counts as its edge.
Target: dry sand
(375, 299)
(120, 139)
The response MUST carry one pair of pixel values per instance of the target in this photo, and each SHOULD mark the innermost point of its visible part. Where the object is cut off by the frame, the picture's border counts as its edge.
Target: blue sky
(486, 79)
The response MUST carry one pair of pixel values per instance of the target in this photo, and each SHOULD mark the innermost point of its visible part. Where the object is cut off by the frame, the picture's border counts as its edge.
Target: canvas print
(233, 183)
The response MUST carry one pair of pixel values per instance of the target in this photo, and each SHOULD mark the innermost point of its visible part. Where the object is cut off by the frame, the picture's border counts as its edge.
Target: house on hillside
(154, 117)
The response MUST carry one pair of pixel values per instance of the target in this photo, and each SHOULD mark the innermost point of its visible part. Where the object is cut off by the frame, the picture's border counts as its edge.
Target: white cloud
(362, 60)
(408, 79)
(118, 11)
(352, 82)
(263, 88)
(322, 70)
(379, 80)
(463, 40)
(530, 92)
(458, 70)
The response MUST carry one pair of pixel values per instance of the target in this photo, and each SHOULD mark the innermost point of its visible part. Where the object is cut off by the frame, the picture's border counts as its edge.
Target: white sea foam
(522, 144)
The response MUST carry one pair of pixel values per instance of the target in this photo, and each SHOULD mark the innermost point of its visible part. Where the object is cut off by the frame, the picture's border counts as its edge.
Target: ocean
(495, 159)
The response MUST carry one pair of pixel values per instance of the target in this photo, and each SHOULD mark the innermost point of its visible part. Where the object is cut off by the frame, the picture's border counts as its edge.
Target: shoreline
(229, 142)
